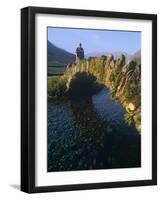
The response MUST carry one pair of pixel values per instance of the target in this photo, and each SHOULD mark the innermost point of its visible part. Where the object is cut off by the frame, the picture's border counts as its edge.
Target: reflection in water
(89, 133)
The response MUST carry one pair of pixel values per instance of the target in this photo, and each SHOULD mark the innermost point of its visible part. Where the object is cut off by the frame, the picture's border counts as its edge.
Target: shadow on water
(83, 135)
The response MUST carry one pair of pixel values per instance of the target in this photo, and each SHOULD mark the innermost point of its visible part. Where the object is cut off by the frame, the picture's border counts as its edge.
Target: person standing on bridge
(79, 53)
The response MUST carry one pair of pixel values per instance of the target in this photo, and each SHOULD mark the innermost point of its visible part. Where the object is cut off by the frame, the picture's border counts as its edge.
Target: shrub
(112, 94)
(128, 118)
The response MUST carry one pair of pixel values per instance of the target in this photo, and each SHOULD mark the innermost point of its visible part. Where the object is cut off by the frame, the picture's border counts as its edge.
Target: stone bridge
(122, 77)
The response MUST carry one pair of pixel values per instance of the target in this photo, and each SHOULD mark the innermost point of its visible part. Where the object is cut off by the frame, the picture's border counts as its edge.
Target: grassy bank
(56, 86)
(56, 69)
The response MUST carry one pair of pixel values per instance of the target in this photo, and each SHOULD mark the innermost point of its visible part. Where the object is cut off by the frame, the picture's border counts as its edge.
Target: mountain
(137, 57)
(58, 55)
(115, 54)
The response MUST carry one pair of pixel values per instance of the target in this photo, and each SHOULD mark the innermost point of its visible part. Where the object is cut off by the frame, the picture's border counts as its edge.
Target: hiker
(79, 53)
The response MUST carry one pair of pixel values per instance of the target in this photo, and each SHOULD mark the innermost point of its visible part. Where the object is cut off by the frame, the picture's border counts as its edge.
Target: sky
(95, 40)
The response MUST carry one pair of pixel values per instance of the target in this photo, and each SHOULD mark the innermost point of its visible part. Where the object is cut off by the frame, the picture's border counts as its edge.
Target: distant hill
(59, 56)
(115, 54)
(137, 57)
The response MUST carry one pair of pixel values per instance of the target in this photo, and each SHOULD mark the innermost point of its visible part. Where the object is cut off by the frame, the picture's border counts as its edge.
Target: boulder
(131, 107)
(121, 61)
(109, 58)
(125, 68)
(112, 64)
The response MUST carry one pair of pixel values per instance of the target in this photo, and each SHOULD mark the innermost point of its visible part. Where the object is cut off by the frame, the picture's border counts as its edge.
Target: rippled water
(90, 133)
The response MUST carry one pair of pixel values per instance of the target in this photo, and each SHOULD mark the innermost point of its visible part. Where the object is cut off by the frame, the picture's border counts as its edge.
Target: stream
(88, 133)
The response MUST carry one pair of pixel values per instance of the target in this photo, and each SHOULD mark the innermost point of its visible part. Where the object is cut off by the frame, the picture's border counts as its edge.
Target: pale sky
(95, 40)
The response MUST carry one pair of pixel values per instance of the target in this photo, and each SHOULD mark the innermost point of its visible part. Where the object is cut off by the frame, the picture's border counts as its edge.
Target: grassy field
(56, 70)
(56, 86)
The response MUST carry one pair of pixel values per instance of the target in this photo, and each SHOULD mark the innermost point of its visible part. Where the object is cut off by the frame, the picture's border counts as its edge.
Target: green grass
(56, 86)
(56, 69)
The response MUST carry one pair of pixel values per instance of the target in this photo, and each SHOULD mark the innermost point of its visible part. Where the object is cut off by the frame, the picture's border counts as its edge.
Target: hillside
(58, 56)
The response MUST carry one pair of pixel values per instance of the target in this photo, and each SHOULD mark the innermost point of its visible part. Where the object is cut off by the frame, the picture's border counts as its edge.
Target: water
(90, 133)
(109, 110)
